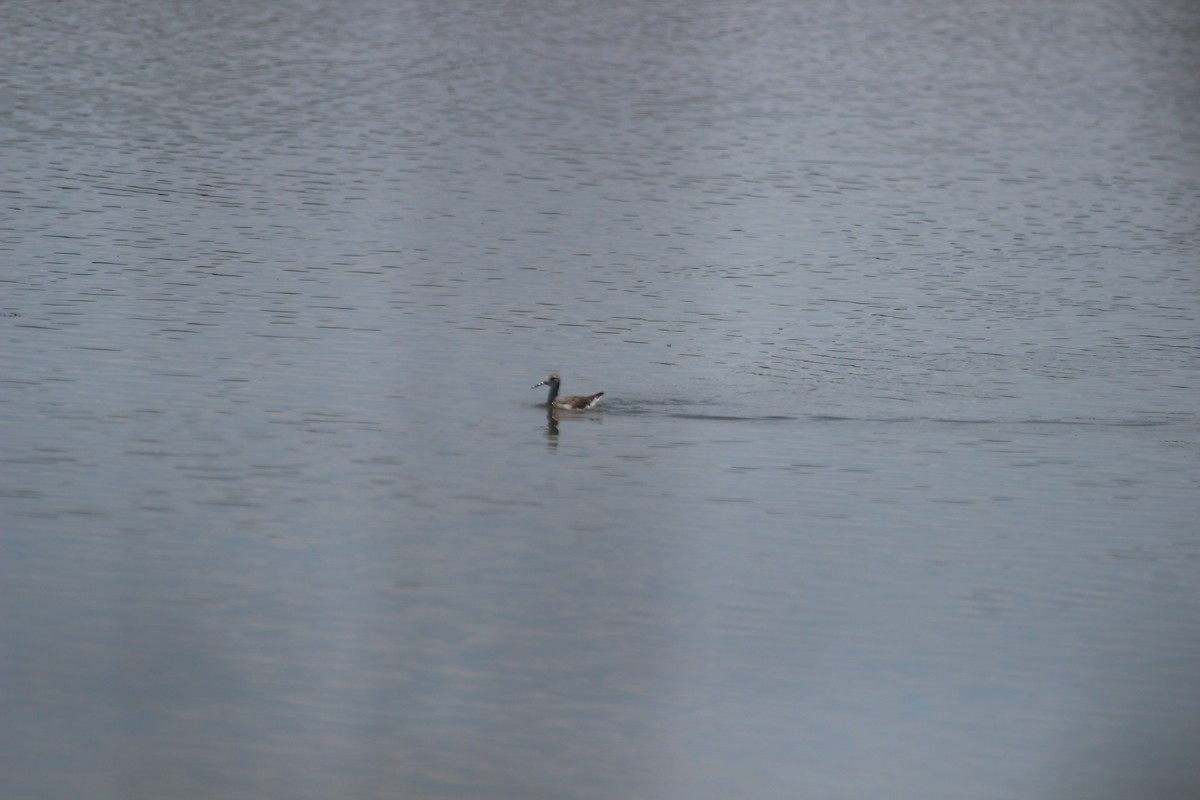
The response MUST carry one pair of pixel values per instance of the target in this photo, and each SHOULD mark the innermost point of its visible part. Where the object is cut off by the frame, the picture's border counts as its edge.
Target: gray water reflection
(893, 492)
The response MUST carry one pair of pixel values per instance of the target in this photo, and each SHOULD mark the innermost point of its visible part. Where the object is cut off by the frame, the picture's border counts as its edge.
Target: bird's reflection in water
(556, 415)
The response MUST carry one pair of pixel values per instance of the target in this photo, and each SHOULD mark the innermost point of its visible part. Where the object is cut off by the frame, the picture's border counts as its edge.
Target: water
(894, 490)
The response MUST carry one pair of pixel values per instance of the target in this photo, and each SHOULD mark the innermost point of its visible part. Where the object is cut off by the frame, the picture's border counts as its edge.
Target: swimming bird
(573, 402)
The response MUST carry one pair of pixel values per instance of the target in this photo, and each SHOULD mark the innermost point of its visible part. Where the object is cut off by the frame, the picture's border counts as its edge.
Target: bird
(573, 402)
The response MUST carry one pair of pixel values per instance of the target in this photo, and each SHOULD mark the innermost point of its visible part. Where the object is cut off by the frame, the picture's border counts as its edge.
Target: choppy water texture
(894, 494)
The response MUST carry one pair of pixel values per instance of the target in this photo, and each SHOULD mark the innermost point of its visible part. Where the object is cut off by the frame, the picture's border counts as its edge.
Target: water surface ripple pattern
(893, 492)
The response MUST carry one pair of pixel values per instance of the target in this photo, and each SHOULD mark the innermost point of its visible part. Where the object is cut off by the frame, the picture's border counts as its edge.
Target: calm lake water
(893, 495)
